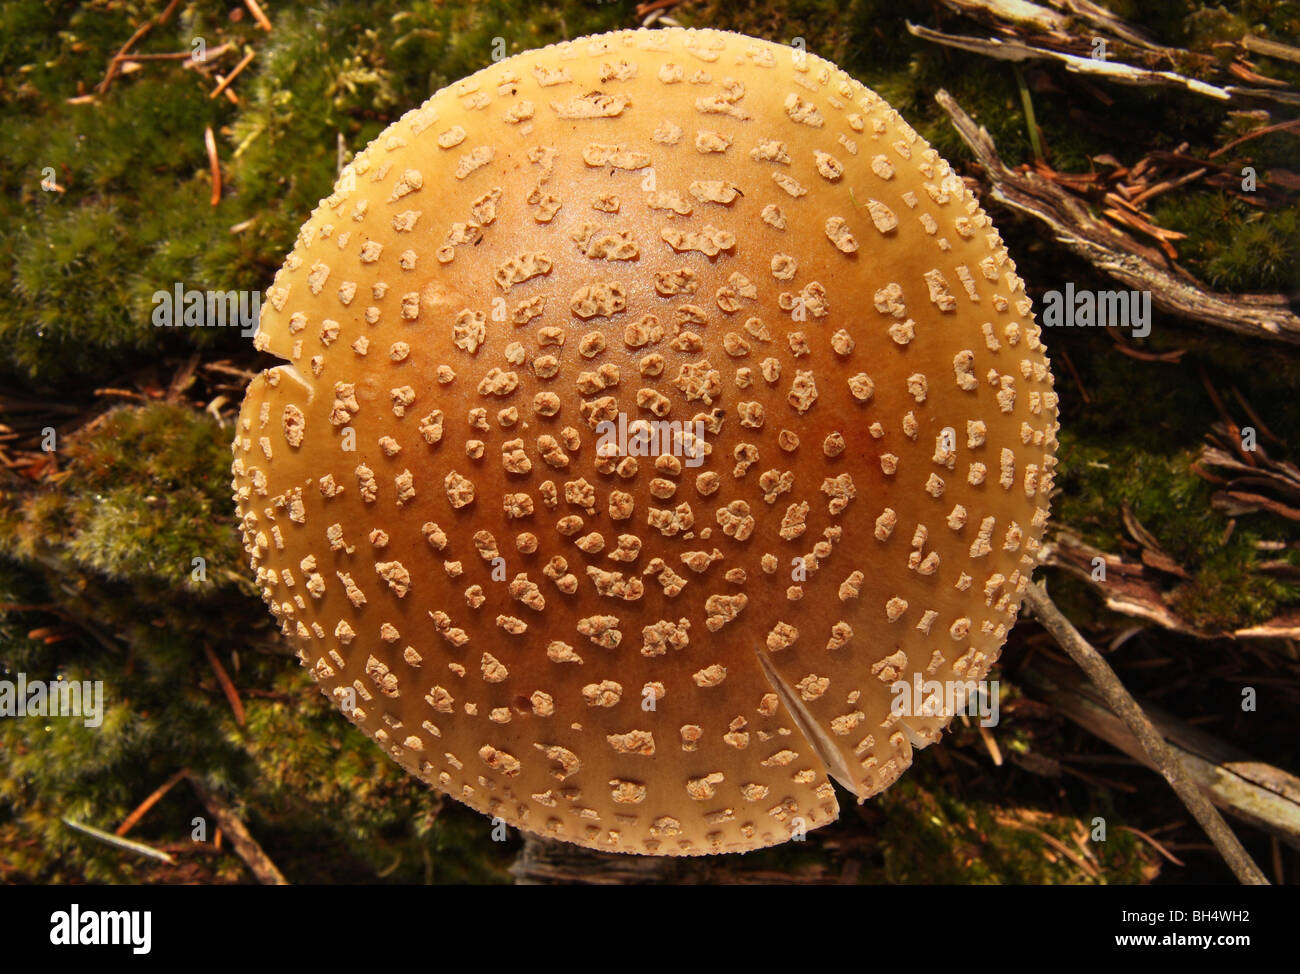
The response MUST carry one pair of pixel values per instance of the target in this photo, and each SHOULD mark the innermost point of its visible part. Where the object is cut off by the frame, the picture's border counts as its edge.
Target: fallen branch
(1153, 744)
(1130, 590)
(245, 845)
(1262, 484)
(1029, 32)
(1258, 316)
(1004, 14)
(1255, 792)
(1103, 19)
(1117, 71)
(1268, 48)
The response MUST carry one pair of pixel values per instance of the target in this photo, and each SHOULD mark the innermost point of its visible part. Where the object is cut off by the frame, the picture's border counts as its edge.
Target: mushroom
(655, 404)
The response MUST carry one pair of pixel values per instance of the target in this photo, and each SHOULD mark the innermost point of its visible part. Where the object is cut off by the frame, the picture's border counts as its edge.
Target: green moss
(305, 761)
(1232, 245)
(1221, 597)
(135, 216)
(303, 781)
(146, 493)
(938, 836)
(1174, 505)
(1163, 495)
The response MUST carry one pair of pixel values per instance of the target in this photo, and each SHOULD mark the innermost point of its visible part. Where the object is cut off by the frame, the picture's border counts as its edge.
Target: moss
(1221, 597)
(83, 285)
(135, 160)
(936, 836)
(302, 782)
(1232, 245)
(1170, 501)
(305, 761)
(145, 493)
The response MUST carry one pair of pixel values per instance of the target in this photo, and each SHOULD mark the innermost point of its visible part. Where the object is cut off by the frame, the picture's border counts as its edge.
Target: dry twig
(1030, 32)
(227, 687)
(129, 845)
(245, 845)
(1251, 479)
(129, 822)
(1155, 746)
(225, 82)
(115, 66)
(1130, 589)
(1260, 316)
(258, 15)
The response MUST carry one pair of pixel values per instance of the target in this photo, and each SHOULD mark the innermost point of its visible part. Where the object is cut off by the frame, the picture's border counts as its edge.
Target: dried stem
(1266, 316)
(210, 141)
(128, 845)
(226, 81)
(115, 65)
(1122, 703)
(227, 686)
(129, 822)
(258, 15)
(246, 847)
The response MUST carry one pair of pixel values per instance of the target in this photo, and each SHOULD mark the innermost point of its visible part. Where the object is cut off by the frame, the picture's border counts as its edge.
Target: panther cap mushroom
(655, 403)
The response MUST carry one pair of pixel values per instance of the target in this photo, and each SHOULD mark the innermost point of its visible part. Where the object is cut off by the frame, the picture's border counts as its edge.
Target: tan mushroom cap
(630, 652)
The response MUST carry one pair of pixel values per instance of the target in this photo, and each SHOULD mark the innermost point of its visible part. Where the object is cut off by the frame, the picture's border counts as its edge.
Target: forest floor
(1166, 164)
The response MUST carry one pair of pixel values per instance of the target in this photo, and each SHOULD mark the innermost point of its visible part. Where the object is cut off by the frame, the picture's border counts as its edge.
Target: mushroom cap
(647, 638)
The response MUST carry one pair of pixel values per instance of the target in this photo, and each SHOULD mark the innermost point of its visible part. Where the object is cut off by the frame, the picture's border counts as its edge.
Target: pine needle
(129, 822)
(130, 845)
(210, 141)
